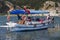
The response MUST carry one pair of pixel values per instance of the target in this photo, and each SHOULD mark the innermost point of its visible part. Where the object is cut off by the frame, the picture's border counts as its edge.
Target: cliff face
(53, 7)
(49, 5)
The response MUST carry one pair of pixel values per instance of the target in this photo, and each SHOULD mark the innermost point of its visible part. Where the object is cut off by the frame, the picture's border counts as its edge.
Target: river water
(49, 34)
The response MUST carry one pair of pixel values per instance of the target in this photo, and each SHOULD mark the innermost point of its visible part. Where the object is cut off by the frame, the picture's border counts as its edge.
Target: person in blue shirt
(19, 17)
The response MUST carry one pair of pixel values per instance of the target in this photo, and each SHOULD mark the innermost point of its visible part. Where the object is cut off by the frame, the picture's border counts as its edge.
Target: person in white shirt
(48, 17)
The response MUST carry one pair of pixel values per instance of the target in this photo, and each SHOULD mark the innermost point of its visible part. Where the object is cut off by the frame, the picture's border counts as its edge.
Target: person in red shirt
(26, 10)
(41, 21)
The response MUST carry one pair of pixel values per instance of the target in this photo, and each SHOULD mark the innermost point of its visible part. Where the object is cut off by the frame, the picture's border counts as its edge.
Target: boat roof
(31, 12)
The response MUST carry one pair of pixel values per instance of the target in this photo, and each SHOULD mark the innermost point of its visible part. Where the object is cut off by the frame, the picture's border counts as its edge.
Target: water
(49, 34)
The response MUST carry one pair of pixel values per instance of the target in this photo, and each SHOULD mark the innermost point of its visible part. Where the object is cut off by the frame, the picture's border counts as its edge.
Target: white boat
(28, 25)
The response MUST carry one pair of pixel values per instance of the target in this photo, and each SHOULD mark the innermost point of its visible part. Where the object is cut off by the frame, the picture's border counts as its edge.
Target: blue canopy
(31, 12)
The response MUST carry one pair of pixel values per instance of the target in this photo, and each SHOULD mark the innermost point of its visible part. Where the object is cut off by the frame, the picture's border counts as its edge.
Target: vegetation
(35, 4)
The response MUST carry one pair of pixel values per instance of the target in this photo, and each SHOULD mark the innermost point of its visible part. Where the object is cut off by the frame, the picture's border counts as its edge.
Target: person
(21, 22)
(11, 7)
(19, 17)
(53, 22)
(52, 19)
(23, 19)
(26, 10)
(37, 19)
(29, 19)
(48, 17)
(8, 18)
(41, 21)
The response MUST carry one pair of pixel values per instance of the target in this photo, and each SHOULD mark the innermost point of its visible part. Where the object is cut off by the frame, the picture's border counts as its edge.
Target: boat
(14, 27)
(29, 26)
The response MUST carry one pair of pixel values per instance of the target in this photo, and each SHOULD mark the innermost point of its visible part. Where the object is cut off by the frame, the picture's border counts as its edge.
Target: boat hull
(24, 28)
(14, 27)
(17, 29)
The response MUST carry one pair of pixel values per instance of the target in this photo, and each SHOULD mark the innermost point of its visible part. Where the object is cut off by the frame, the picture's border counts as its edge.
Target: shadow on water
(50, 34)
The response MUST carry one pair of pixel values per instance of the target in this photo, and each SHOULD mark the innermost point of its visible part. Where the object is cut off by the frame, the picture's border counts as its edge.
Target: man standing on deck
(18, 7)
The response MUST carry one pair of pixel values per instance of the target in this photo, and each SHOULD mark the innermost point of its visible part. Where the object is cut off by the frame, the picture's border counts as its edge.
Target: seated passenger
(23, 19)
(21, 22)
(48, 17)
(52, 19)
(41, 20)
(29, 19)
(19, 17)
(37, 19)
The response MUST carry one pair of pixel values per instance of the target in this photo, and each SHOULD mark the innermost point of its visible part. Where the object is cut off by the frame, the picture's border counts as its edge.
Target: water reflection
(32, 35)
